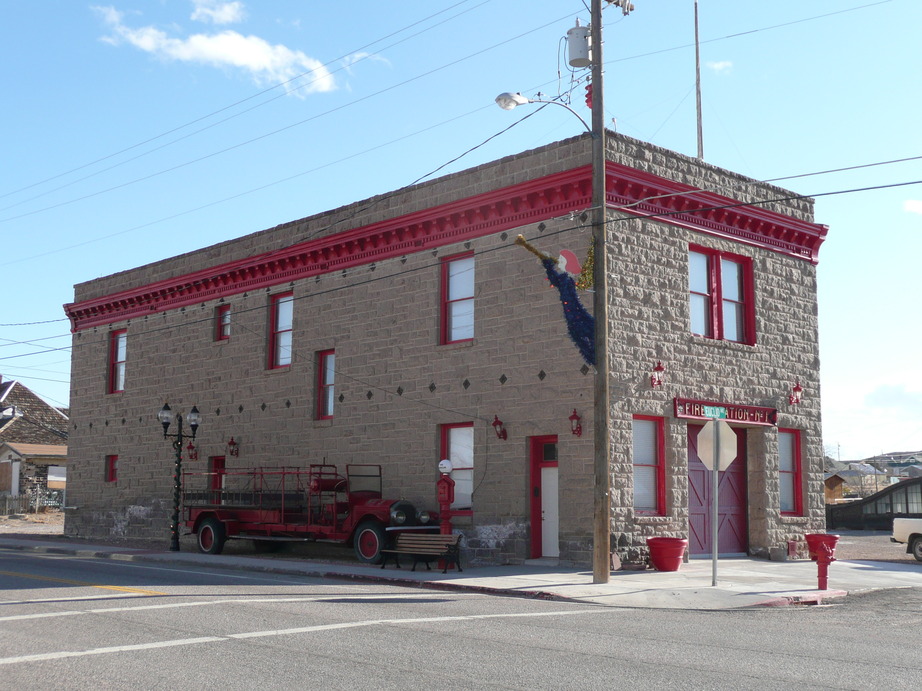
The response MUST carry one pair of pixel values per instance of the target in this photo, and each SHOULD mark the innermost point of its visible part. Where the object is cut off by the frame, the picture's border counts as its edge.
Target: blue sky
(138, 130)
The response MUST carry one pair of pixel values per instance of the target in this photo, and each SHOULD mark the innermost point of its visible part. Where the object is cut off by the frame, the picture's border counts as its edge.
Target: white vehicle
(909, 532)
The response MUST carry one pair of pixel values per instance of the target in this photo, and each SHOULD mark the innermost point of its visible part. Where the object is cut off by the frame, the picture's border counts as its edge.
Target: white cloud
(913, 206)
(218, 12)
(721, 67)
(350, 60)
(263, 62)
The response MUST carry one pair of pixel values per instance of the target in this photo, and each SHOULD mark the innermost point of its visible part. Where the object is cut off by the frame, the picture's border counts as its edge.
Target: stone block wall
(395, 385)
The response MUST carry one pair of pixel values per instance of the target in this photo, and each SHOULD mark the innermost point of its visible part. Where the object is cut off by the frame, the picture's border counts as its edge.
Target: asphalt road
(73, 623)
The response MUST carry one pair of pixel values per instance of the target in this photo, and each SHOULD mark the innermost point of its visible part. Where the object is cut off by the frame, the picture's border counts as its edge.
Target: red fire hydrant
(822, 550)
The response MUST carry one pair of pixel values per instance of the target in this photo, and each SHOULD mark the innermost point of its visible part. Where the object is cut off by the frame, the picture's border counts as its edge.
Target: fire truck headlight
(424, 517)
(398, 517)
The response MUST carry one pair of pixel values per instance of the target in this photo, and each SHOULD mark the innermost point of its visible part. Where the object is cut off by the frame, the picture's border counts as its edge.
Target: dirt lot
(872, 545)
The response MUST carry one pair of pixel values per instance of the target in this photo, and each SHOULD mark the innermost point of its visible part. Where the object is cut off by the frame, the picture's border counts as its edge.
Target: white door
(550, 518)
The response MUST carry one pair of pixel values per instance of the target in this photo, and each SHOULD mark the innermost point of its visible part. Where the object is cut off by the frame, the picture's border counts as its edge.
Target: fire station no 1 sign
(717, 445)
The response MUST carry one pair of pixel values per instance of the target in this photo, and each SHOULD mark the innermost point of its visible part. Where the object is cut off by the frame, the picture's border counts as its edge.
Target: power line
(272, 133)
(221, 110)
(630, 216)
(633, 215)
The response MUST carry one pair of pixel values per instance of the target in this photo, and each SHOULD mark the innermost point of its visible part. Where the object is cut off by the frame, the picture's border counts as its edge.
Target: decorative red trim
(472, 217)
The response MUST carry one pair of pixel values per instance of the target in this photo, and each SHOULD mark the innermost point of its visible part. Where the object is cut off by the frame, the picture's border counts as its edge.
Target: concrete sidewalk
(741, 582)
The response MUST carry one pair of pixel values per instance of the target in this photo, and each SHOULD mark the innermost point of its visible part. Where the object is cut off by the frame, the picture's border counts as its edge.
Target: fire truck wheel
(211, 536)
(369, 541)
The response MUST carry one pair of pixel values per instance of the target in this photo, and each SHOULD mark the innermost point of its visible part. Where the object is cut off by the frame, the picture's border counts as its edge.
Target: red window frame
(222, 323)
(445, 452)
(720, 298)
(117, 360)
(448, 301)
(792, 476)
(326, 379)
(279, 333)
(111, 468)
(659, 467)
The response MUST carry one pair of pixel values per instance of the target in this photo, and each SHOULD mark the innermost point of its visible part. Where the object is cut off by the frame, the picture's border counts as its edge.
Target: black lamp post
(166, 417)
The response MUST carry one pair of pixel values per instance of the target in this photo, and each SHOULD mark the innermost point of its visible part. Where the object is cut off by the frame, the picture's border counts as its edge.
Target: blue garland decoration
(580, 324)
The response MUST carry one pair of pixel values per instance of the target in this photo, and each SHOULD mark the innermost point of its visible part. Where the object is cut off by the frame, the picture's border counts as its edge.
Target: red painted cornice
(472, 217)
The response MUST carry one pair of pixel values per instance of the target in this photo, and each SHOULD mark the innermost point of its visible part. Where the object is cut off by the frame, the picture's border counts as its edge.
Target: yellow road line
(81, 583)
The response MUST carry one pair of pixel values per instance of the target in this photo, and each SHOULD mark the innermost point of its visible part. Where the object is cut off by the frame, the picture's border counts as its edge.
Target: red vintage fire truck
(271, 506)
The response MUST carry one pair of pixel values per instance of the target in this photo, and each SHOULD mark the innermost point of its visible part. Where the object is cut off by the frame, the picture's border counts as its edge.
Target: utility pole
(601, 550)
(601, 545)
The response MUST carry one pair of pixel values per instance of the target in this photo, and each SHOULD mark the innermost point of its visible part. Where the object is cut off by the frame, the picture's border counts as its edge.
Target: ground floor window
(649, 468)
(458, 447)
(790, 472)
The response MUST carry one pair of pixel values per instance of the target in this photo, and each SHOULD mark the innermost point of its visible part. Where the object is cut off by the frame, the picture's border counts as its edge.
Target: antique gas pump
(445, 492)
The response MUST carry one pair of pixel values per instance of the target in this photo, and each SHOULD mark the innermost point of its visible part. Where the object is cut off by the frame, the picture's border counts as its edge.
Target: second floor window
(457, 313)
(118, 350)
(721, 303)
(326, 373)
(280, 316)
(222, 323)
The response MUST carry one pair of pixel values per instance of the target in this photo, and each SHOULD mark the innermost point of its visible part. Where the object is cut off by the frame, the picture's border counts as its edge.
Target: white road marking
(226, 601)
(286, 632)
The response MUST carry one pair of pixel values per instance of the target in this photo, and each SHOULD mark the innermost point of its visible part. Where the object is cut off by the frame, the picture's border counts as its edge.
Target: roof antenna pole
(698, 85)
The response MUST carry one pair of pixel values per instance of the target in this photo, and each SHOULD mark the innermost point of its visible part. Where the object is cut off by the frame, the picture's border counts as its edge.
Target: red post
(445, 491)
(823, 559)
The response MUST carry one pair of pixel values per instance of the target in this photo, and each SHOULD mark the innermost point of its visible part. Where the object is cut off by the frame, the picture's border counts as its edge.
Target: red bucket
(666, 553)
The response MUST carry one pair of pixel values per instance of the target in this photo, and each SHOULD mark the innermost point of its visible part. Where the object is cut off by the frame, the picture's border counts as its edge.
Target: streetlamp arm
(509, 100)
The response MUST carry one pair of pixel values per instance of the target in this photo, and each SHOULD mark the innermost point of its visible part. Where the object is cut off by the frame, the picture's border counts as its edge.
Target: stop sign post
(717, 450)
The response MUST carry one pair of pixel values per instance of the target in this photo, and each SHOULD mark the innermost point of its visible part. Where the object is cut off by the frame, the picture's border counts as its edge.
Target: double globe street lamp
(193, 418)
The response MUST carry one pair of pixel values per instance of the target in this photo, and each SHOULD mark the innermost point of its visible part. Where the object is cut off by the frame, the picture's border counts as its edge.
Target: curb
(813, 599)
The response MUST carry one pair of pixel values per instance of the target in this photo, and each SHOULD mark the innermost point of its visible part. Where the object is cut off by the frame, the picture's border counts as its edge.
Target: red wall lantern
(233, 448)
(575, 426)
(499, 428)
(797, 394)
(656, 379)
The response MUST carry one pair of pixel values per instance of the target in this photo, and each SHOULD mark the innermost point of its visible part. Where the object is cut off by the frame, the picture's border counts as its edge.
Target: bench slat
(426, 547)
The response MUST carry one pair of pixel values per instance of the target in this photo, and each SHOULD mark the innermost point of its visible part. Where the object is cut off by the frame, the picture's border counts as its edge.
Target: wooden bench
(425, 547)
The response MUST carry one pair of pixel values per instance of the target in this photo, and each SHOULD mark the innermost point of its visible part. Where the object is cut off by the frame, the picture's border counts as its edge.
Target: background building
(398, 329)
(33, 449)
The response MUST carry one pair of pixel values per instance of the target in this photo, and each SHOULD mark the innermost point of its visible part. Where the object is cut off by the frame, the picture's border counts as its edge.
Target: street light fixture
(508, 100)
(193, 419)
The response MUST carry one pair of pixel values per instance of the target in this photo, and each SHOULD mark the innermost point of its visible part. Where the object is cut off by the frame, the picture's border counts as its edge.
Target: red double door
(732, 530)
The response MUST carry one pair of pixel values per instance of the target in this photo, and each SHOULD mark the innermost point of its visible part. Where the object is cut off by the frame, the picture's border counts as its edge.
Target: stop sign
(717, 445)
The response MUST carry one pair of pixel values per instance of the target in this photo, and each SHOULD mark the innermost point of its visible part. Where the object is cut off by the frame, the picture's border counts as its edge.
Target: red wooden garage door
(732, 536)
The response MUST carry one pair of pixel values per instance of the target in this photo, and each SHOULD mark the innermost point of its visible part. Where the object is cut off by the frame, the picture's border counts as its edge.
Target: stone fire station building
(396, 330)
